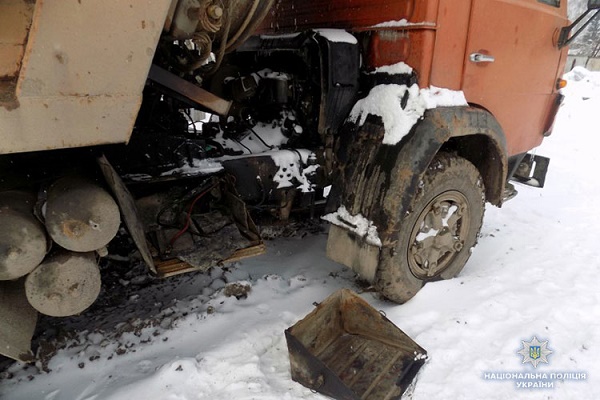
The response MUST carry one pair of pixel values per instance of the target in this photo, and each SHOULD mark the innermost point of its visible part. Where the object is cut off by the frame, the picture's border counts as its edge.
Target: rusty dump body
(350, 351)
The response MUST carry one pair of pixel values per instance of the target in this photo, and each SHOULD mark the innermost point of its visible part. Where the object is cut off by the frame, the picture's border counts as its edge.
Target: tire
(436, 238)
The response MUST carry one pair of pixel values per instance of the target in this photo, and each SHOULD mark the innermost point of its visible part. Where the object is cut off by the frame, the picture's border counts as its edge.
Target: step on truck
(183, 125)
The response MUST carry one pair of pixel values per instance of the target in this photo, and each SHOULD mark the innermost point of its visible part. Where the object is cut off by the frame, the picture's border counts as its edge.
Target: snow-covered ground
(535, 273)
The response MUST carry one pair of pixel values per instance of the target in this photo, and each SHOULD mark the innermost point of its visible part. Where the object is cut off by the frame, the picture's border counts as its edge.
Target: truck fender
(472, 133)
(380, 181)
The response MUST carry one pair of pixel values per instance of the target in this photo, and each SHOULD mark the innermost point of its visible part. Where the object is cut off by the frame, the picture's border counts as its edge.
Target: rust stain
(74, 229)
(10, 106)
(8, 98)
(61, 57)
(143, 24)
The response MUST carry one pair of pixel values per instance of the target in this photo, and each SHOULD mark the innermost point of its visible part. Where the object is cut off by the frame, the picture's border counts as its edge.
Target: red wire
(189, 216)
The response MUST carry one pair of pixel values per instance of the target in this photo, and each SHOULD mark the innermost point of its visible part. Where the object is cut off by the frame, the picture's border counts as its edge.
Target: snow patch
(386, 101)
(206, 166)
(401, 23)
(252, 141)
(290, 169)
(439, 97)
(394, 69)
(203, 167)
(337, 35)
(582, 84)
(355, 223)
(431, 232)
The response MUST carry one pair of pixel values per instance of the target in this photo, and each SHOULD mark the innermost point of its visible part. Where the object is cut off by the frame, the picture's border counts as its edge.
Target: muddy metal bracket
(532, 171)
(189, 91)
(128, 209)
(347, 350)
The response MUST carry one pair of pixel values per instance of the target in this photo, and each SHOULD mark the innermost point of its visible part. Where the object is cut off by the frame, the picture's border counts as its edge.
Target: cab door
(512, 64)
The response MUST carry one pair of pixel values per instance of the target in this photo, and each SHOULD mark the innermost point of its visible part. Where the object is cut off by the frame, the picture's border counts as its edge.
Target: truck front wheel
(436, 238)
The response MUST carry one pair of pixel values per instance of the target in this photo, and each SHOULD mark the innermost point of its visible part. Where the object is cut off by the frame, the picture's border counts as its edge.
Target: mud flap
(532, 170)
(17, 321)
(347, 248)
(347, 350)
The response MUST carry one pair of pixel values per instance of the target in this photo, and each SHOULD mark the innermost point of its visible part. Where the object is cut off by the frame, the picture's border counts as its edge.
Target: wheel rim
(439, 234)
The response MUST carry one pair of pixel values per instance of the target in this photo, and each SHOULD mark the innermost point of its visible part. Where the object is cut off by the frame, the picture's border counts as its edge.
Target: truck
(185, 125)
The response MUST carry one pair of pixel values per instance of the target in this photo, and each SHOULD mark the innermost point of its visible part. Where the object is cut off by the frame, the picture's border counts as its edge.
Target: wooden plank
(167, 268)
(248, 252)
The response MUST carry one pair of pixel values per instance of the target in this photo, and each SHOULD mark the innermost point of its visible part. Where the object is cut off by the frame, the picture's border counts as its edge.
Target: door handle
(481, 58)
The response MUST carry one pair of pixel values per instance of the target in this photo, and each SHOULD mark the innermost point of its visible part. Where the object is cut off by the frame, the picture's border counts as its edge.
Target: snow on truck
(192, 120)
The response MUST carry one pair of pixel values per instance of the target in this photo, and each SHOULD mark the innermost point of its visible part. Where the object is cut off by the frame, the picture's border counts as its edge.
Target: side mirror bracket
(564, 39)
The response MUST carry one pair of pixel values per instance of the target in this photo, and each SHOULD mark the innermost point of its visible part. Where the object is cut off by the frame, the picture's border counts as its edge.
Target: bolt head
(215, 12)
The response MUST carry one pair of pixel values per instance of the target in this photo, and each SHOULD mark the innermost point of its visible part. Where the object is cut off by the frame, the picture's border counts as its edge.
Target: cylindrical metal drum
(64, 284)
(80, 215)
(23, 241)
